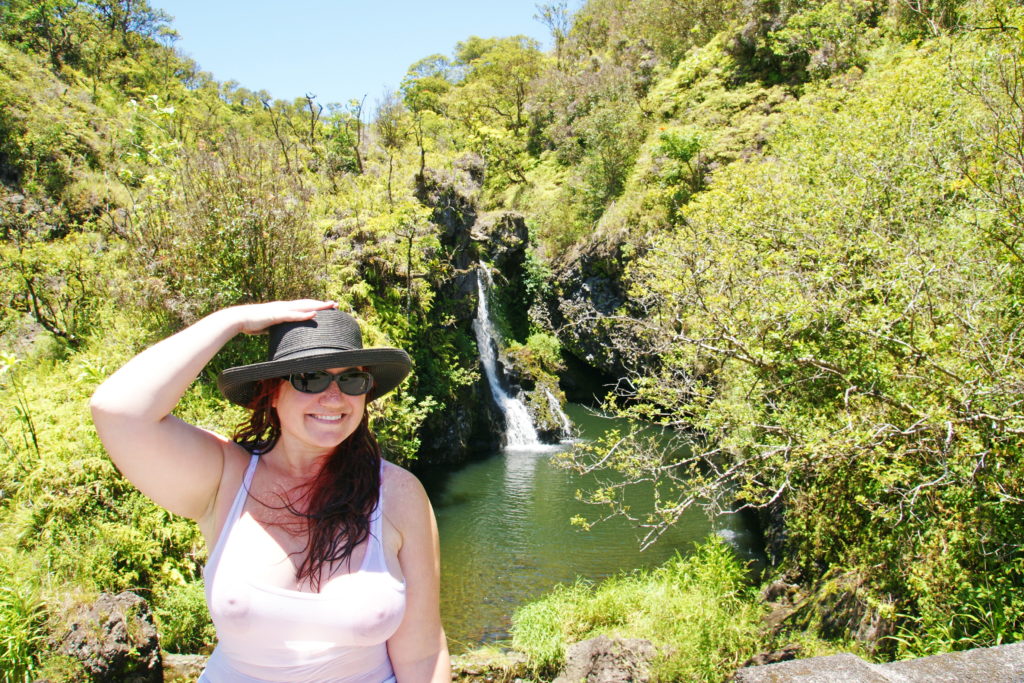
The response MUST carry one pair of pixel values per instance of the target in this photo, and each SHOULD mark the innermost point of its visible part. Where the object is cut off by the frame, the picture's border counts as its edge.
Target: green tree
(828, 328)
(498, 74)
(392, 127)
(227, 224)
(343, 138)
(130, 20)
(41, 26)
(557, 18)
(426, 83)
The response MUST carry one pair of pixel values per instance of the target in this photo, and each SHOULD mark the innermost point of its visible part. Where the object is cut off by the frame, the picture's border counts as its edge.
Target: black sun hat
(330, 340)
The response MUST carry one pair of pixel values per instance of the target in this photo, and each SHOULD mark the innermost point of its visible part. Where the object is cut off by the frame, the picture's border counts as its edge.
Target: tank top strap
(236, 508)
(374, 561)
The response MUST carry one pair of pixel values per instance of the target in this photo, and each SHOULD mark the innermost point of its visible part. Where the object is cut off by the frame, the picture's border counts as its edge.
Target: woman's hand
(256, 318)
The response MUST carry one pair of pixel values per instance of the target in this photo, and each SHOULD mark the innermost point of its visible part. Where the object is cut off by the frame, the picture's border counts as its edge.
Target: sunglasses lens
(311, 382)
(353, 383)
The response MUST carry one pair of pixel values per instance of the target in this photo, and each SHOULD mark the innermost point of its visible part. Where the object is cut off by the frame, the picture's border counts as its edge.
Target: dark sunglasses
(351, 382)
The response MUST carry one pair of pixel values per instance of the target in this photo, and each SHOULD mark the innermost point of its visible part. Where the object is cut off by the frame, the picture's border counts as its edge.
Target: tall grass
(22, 631)
(697, 610)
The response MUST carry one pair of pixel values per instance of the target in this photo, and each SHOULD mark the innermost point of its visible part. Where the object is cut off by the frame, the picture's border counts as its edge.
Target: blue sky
(335, 49)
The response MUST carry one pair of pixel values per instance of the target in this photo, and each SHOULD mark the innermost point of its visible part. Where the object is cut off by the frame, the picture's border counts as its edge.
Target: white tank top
(268, 634)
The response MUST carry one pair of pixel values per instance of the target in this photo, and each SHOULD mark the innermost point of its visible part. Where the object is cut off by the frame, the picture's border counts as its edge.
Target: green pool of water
(506, 538)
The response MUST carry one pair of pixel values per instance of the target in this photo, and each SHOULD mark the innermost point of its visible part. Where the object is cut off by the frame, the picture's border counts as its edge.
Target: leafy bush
(539, 356)
(396, 421)
(228, 225)
(59, 283)
(697, 610)
(831, 321)
(183, 620)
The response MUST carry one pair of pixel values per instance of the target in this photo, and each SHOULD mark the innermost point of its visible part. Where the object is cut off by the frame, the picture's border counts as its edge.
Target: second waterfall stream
(519, 429)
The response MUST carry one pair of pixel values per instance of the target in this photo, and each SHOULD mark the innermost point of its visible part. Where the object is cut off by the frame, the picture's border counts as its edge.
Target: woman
(324, 561)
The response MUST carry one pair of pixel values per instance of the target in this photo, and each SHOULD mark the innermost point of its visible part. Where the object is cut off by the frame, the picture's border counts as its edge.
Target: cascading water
(519, 429)
(556, 409)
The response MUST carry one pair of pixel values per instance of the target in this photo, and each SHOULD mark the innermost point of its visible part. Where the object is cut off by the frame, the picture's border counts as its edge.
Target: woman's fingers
(256, 318)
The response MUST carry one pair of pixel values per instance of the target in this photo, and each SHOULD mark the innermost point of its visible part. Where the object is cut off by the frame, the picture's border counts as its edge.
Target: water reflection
(520, 470)
(506, 536)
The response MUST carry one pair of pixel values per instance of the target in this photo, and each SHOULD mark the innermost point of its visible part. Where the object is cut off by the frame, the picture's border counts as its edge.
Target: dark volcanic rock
(842, 607)
(469, 427)
(503, 238)
(783, 654)
(452, 196)
(589, 295)
(606, 660)
(115, 640)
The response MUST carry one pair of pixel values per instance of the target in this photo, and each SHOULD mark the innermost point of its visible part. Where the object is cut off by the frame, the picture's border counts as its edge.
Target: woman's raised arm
(176, 464)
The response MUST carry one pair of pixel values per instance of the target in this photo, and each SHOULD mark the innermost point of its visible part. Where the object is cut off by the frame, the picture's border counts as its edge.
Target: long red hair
(339, 500)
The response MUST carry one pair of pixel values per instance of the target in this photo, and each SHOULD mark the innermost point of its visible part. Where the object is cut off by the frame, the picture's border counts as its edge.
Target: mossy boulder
(114, 639)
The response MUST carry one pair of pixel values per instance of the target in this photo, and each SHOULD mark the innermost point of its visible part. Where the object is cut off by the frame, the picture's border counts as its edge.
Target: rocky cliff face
(471, 424)
(589, 294)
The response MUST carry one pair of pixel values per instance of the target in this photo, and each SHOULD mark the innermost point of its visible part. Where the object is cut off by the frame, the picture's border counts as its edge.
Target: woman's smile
(327, 419)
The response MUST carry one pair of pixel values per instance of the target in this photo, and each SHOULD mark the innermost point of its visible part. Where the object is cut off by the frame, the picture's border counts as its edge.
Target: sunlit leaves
(836, 335)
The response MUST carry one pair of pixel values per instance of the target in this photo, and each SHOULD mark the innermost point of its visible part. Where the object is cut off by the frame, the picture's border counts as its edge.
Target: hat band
(302, 353)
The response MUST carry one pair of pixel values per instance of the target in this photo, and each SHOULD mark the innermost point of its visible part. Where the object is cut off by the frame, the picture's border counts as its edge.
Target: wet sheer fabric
(270, 634)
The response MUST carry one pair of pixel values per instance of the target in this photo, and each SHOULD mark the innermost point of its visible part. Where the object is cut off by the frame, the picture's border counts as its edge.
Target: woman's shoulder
(397, 479)
(236, 461)
(404, 495)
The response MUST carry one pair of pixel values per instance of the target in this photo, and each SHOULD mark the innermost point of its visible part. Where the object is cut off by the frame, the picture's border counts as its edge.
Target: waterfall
(519, 429)
(556, 409)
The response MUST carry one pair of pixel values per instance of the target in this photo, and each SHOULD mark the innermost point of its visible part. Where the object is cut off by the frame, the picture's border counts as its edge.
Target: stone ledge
(1001, 664)
(843, 668)
(183, 668)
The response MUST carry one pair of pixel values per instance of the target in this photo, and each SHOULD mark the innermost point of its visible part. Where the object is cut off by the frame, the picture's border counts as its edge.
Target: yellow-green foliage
(182, 619)
(697, 610)
(839, 313)
(138, 195)
(22, 623)
(66, 507)
(539, 356)
(51, 132)
(66, 514)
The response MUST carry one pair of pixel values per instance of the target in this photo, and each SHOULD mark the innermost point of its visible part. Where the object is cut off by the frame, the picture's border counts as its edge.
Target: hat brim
(388, 367)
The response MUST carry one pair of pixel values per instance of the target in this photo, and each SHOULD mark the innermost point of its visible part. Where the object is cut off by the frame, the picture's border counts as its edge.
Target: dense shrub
(183, 620)
(697, 610)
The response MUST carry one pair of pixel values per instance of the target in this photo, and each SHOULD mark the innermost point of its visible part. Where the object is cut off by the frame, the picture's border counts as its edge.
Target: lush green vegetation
(699, 611)
(836, 320)
(814, 210)
(139, 194)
